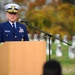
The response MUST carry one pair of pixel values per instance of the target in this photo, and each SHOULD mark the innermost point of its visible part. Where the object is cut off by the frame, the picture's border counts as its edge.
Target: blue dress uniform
(8, 34)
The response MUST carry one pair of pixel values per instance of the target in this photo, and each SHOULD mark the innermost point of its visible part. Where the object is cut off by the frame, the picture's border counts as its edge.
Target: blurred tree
(40, 2)
(37, 4)
(54, 19)
(51, 18)
(69, 1)
(18, 1)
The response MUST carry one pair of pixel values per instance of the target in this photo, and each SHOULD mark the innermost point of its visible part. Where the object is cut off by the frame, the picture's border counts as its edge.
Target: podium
(22, 58)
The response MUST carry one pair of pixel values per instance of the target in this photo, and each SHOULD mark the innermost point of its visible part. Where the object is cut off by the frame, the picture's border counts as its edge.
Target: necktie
(13, 26)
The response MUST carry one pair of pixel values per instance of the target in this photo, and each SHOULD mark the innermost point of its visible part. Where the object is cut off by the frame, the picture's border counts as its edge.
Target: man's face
(12, 17)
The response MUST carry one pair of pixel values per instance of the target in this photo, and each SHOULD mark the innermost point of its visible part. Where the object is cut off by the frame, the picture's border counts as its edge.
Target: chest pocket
(7, 34)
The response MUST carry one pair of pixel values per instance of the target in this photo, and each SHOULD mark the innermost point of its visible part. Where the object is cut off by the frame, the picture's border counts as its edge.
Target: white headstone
(41, 36)
(29, 36)
(35, 37)
(58, 50)
(71, 53)
(65, 39)
(73, 41)
(56, 40)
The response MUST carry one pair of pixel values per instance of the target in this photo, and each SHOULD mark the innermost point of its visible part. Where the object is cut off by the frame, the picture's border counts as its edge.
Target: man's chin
(12, 20)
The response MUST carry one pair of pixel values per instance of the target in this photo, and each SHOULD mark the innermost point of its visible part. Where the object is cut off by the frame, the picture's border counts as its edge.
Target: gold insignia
(13, 7)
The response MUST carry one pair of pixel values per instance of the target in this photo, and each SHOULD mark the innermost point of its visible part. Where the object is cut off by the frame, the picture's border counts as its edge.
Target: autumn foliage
(54, 19)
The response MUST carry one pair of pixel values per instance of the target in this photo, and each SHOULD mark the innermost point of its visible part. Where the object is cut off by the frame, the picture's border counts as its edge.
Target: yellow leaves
(67, 8)
(58, 29)
(60, 19)
(54, 29)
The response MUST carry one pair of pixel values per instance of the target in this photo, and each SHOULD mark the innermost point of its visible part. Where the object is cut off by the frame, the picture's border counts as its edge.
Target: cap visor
(12, 12)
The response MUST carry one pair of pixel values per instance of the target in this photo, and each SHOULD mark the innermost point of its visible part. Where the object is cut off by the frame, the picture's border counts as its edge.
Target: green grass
(68, 65)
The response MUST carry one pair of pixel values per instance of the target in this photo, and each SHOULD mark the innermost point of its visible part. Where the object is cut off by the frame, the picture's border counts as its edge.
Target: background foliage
(54, 19)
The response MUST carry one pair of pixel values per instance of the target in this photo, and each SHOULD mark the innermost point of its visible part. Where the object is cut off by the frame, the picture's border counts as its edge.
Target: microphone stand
(48, 34)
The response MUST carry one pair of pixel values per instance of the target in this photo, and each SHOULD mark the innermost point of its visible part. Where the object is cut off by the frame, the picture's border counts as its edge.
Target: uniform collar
(12, 23)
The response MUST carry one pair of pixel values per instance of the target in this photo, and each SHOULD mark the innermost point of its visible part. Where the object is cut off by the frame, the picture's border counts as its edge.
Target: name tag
(7, 30)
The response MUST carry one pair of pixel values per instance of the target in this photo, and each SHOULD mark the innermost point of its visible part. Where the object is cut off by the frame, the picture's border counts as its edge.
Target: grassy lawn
(68, 65)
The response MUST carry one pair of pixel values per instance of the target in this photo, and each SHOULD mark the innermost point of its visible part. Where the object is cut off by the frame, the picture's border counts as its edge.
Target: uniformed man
(12, 30)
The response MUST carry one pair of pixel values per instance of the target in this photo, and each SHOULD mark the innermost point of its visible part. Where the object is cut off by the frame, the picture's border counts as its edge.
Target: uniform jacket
(8, 34)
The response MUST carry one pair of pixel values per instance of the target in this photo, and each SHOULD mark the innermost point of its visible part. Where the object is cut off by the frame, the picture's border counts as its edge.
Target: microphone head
(19, 20)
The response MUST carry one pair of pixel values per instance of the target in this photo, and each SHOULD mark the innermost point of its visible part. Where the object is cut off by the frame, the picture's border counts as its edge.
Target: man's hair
(52, 67)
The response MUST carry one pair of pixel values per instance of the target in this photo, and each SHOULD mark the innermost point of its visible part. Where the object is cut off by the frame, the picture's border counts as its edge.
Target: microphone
(20, 20)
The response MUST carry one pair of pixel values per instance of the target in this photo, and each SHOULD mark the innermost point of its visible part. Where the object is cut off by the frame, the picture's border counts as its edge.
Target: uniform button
(6, 35)
(22, 35)
(15, 36)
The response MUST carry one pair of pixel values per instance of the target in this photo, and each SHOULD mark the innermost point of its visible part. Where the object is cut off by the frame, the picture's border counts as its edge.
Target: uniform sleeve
(26, 35)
